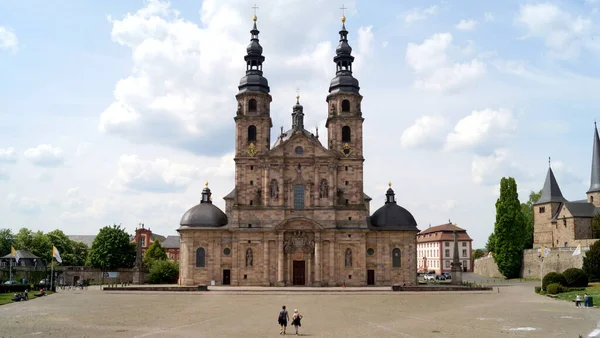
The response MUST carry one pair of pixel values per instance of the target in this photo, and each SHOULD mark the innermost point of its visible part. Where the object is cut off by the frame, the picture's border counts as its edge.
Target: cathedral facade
(298, 214)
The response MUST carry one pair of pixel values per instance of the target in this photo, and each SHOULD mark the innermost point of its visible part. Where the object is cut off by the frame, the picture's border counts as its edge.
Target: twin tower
(253, 118)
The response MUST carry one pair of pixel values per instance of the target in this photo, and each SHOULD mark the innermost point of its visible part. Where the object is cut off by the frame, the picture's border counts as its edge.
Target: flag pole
(51, 273)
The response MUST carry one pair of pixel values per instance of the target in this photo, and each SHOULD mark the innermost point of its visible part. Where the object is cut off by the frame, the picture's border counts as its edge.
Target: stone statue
(324, 191)
(249, 257)
(274, 189)
(333, 109)
(239, 109)
(348, 258)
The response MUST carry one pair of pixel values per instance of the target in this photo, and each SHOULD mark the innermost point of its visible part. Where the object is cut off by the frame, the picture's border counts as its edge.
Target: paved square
(515, 311)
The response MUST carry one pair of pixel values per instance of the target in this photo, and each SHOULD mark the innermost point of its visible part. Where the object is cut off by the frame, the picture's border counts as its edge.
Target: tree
(591, 262)
(509, 230)
(80, 253)
(37, 243)
(478, 253)
(527, 209)
(6, 238)
(154, 253)
(163, 272)
(596, 226)
(72, 253)
(112, 249)
(490, 246)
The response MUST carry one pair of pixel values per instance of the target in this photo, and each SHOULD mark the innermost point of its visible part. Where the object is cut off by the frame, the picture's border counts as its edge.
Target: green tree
(154, 253)
(80, 253)
(37, 243)
(6, 238)
(490, 246)
(509, 230)
(596, 226)
(527, 209)
(112, 249)
(163, 272)
(591, 262)
(64, 246)
(478, 253)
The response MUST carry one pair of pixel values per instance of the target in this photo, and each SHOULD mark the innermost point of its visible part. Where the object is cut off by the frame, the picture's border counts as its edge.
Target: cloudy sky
(118, 111)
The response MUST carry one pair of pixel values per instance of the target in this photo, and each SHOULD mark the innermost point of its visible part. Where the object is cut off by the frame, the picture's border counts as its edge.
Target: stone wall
(71, 274)
(486, 266)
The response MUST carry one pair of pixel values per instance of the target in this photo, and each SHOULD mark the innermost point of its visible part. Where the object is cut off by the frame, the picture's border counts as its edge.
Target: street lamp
(10, 240)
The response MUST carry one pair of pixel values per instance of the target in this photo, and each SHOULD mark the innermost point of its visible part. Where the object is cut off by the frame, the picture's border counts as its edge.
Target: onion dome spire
(298, 115)
(206, 194)
(390, 196)
(595, 177)
(254, 80)
(343, 80)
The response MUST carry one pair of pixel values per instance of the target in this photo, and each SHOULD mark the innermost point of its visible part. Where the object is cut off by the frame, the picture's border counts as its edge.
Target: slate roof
(444, 227)
(283, 137)
(172, 242)
(551, 191)
(595, 177)
(85, 239)
(22, 254)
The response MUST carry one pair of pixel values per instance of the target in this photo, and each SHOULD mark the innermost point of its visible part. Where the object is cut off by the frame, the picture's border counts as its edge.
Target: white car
(429, 277)
(10, 282)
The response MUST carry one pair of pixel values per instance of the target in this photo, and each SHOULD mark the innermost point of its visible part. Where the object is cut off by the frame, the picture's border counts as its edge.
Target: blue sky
(118, 111)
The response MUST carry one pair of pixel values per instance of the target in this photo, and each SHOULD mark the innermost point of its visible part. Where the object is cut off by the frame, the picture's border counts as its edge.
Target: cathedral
(298, 214)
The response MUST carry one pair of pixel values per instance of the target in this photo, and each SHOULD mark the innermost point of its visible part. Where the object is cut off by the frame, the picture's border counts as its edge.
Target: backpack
(282, 316)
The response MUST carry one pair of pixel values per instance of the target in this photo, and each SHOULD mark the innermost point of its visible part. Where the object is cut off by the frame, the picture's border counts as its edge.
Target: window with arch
(345, 106)
(346, 134)
(252, 134)
(592, 199)
(200, 257)
(396, 258)
(252, 105)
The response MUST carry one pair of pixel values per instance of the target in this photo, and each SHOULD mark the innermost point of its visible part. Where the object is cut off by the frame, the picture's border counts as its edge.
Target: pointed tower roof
(595, 178)
(343, 80)
(551, 191)
(254, 81)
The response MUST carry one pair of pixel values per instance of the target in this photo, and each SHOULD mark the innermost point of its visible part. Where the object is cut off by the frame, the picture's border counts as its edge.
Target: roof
(284, 137)
(391, 216)
(172, 242)
(159, 237)
(445, 236)
(85, 239)
(366, 197)
(578, 209)
(449, 227)
(231, 195)
(551, 191)
(595, 178)
(22, 253)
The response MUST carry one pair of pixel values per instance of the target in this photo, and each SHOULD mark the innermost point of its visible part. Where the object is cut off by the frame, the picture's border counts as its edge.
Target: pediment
(310, 147)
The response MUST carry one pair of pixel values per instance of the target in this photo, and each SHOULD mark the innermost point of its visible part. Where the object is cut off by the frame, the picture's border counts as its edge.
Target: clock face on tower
(346, 149)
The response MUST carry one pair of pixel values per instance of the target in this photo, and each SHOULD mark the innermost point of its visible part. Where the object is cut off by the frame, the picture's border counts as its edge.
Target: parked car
(440, 277)
(11, 282)
(45, 282)
(429, 277)
(447, 275)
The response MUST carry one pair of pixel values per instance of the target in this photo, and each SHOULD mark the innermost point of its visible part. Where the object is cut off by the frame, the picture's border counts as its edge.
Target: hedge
(554, 288)
(576, 278)
(553, 277)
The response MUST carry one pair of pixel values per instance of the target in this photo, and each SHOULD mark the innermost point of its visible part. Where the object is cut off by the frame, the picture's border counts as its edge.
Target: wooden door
(370, 277)
(226, 277)
(299, 272)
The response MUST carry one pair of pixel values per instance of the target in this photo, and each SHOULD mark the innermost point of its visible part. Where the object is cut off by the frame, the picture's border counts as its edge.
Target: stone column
(333, 261)
(266, 195)
(317, 260)
(266, 261)
(280, 260)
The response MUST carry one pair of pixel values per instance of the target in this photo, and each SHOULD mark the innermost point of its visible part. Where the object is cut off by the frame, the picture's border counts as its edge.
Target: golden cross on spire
(390, 184)
(297, 93)
(206, 184)
(255, 8)
(343, 13)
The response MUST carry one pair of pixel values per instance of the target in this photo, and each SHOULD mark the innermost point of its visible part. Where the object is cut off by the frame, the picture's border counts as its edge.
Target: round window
(370, 251)
(299, 150)
(226, 251)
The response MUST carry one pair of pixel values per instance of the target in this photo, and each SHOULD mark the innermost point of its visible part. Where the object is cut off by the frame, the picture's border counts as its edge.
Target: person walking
(586, 300)
(578, 301)
(296, 317)
(283, 319)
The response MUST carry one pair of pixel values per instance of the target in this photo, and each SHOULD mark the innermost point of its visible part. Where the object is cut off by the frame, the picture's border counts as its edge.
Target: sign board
(111, 274)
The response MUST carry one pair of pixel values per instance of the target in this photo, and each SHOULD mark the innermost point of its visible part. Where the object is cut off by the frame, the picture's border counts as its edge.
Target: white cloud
(485, 168)
(160, 175)
(488, 17)
(417, 14)
(384, 44)
(482, 130)
(23, 205)
(427, 131)
(4, 175)
(8, 155)
(225, 167)
(45, 177)
(566, 174)
(563, 34)
(45, 155)
(447, 205)
(591, 2)
(434, 71)
(8, 39)
(466, 25)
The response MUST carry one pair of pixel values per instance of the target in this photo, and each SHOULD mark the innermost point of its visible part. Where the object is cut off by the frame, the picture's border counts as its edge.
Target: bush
(163, 272)
(538, 289)
(553, 277)
(554, 288)
(576, 278)
(591, 262)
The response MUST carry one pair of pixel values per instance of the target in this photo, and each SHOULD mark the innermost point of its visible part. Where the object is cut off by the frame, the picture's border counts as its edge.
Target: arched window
(346, 134)
(396, 258)
(200, 257)
(345, 106)
(252, 105)
(252, 134)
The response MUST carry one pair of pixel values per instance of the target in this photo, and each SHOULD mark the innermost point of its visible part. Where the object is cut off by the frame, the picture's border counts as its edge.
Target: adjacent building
(435, 248)
(298, 214)
(559, 222)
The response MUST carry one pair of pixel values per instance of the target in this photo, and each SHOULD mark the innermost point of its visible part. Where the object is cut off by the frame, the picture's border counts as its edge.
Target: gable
(310, 147)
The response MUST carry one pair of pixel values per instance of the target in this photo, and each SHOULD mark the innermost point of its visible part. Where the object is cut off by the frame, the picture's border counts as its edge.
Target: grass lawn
(592, 290)
(6, 298)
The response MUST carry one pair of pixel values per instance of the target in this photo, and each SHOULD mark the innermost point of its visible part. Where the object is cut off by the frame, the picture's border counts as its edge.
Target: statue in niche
(348, 258)
(333, 109)
(274, 189)
(258, 196)
(239, 109)
(324, 191)
(340, 196)
(249, 257)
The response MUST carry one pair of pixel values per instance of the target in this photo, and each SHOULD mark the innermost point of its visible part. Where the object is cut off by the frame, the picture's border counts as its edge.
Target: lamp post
(10, 239)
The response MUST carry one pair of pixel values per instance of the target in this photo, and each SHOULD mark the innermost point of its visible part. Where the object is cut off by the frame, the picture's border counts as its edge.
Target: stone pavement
(514, 311)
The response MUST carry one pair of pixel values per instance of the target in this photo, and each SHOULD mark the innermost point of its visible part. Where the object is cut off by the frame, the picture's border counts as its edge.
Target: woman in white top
(296, 317)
